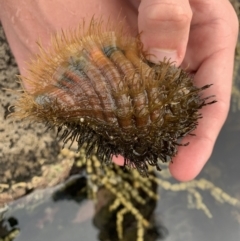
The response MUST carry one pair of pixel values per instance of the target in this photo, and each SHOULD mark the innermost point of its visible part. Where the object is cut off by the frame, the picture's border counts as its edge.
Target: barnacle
(97, 87)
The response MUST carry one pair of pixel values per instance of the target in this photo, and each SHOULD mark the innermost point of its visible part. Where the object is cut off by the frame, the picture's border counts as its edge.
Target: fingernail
(157, 55)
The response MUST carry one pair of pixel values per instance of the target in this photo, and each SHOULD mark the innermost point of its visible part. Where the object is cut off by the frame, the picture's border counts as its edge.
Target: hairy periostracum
(97, 87)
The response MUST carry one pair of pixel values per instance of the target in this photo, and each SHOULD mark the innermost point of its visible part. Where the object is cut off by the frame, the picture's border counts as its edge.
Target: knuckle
(169, 15)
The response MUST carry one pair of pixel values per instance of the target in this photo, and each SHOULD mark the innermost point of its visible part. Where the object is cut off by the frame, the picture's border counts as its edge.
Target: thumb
(164, 26)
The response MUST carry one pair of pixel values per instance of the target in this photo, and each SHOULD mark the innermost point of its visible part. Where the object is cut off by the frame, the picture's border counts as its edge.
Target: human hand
(207, 30)
(198, 34)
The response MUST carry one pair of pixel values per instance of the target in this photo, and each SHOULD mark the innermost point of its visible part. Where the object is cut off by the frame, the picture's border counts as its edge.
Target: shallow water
(71, 214)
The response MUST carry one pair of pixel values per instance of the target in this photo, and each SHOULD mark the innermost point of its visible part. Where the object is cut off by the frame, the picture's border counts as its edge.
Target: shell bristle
(97, 87)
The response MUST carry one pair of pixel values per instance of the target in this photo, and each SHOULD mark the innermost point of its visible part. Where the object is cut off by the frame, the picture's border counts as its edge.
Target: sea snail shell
(97, 87)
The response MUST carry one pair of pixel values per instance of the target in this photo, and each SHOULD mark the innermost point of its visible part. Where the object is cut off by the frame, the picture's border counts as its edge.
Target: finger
(191, 159)
(119, 160)
(220, 40)
(165, 25)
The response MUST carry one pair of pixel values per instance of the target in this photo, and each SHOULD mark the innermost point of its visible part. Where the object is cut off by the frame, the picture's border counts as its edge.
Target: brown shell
(98, 88)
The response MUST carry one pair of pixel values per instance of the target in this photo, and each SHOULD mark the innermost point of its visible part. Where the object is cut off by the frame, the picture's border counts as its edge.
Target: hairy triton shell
(98, 88)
